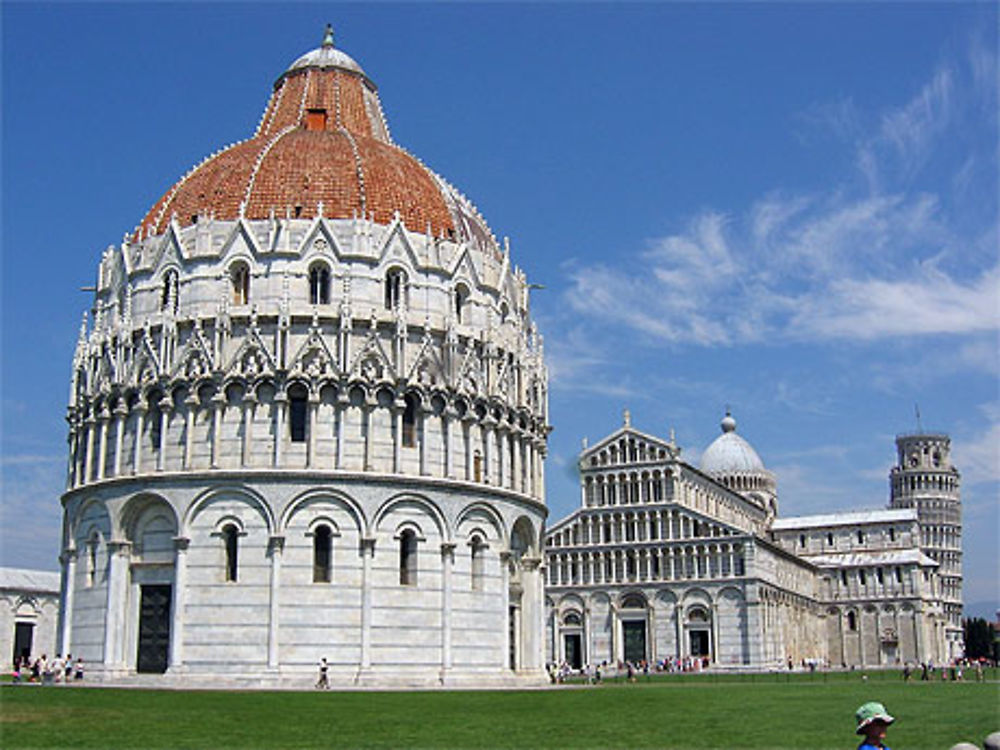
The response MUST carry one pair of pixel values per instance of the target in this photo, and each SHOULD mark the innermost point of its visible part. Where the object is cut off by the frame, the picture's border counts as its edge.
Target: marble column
(447, 563)
(275, 547)
(367, 552)
(192, 405)
(161, 452)
(218, 405)
(313, 407)
(505, 611)
(177, 603)
(88, 456)
(280, 409)
(140, 425)
(249, 402)
(102, 450)
(68, 560)
(114, 623)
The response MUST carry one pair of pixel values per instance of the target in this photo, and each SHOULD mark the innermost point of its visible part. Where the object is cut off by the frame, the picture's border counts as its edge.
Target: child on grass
(873, 721)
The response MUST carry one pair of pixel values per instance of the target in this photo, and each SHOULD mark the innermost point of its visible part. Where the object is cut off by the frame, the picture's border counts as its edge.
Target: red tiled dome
(322, 139)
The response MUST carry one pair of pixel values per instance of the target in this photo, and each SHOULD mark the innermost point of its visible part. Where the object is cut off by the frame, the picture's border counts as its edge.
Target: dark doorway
(24, 633)
(154, 629)
(699, 643)
(634, 632)
(574, 650)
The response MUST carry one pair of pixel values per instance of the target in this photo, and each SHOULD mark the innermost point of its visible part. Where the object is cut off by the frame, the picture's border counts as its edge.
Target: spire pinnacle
(328, 36)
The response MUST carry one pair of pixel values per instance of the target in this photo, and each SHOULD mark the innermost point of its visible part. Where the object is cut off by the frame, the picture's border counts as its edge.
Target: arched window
(168, 297)
(298, 413)
(408, 558)
(461, 295)
(633, 601)
(155, 426)
(478, 562)
(862, 578)
(852, 621)
(395, 288)
(239, 279)
(230, 539)
(322, 549)
(829, 539)
(410, 421)
(319, 285)
(861, 537)
(802, 540)
(92, 544)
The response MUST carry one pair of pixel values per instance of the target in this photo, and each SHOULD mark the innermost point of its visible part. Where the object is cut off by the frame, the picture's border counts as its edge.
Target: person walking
(323, 683)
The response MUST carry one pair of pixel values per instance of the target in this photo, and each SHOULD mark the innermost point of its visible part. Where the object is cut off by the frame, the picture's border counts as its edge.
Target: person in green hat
(873, 721)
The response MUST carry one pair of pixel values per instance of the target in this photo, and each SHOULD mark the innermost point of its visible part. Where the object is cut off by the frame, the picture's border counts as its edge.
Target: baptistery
(308, 419)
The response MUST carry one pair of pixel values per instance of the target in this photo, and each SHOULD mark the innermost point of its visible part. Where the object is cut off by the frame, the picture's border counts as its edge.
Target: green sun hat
(869, 712)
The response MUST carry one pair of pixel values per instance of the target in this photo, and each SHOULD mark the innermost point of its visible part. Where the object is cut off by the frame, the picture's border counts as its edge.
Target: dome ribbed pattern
(322, 141)
(729, 453)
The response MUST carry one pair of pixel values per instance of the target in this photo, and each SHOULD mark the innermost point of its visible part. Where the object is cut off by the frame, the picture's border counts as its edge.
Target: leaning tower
(925, 479)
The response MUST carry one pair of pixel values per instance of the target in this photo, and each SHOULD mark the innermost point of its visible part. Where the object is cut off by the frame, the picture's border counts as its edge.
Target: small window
(410, 421)
(408, 558)
(322, 548)
(239, 278)
(892, 534)
(802, 540)
(168, 297)
(316, 119)
(298, 414)
(478, 562)
(862, 578)
(92, 560)
(861, 537)
(155, 423)
(230, 539)
(395, 287)
(829, 539)
(879, 576)
(899, 574)
(319, 285)
(852, 622)
(843, 577)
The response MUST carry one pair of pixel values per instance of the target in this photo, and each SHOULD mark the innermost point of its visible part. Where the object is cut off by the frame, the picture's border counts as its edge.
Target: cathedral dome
(730, 453)
(322, 148)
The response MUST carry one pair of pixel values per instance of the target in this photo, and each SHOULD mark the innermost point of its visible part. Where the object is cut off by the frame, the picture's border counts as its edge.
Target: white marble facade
(299, 437)
(664, 560)
(29, 613)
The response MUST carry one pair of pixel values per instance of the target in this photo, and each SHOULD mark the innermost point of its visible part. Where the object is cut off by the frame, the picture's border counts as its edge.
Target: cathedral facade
(665, 560)
(308, 419)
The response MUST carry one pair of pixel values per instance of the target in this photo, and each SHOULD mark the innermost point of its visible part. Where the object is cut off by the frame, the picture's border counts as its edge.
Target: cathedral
(666, 561)
(308, 419)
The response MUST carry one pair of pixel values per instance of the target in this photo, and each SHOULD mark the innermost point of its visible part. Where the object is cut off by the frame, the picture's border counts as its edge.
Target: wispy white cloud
(978, 454)
(886, 261)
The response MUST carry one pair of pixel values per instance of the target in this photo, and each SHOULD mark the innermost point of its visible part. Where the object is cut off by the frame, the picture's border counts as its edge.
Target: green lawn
(793, 712)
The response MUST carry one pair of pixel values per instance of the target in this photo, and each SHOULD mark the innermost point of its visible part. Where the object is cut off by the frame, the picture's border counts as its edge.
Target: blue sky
(788, 208)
